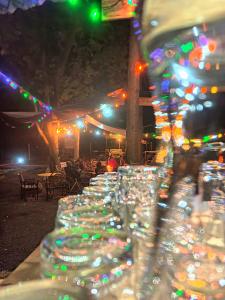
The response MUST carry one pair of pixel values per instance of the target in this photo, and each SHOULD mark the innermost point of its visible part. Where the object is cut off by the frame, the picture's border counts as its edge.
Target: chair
(72, 180)
(57, 184)
(28, 186)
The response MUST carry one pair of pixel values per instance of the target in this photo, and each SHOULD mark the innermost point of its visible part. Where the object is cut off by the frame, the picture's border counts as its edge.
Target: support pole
(134, 111)
(76, 144)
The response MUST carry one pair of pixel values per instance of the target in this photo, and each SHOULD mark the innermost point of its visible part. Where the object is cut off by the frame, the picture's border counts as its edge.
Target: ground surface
(22, 224)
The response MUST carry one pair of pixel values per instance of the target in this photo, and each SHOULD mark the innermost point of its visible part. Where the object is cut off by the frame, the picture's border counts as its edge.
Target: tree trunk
(134, 111)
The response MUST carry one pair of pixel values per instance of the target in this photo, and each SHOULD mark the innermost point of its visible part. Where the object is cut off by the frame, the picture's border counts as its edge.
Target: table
(47, 174)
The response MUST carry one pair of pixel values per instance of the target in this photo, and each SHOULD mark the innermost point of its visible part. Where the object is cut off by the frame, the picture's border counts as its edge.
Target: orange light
(99, 116)
(139, 67)
(195, 56)
(204, 90)
(117, 105)
(189, 90)
(124, 95)
(212, 46)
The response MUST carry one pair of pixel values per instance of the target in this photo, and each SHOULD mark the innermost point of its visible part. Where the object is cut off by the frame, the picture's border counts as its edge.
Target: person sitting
(98, 169)
(112, 164)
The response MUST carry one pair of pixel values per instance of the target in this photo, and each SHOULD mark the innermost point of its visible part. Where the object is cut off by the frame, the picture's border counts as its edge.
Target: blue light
(107, 110)
(97, 132)
(180, 92)
(80, 123)
(208, 104)
(199, 107)
(20, 160)
(189, 97)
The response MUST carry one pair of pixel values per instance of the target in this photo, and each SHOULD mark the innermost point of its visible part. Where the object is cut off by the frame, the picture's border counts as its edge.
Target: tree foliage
(58, 55)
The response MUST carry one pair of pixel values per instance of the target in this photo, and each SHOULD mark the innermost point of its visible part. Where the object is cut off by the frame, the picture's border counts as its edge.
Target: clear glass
(90, 216)
(43, 290)
(186, 67)
(85, 257)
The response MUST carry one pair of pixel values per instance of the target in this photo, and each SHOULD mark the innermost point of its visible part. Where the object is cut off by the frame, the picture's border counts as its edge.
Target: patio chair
(28, 186)
(73, 181)
(56, 185)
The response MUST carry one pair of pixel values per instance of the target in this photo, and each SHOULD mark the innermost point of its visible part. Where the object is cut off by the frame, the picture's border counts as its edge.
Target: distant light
(154, 23)
(208, 104)
(185, 83)
(183, 74)
(196, 90)
(202, 96)
(97, 132)
(187, 47)
(80, 123)
(95, 13)
(107, 110)
(69, 132)
(180, 92)
(214, 89)
(20, 160)
(74, 2)
(189, 97)
(195, 31)
(199, 107)
(156, 102)
(192, 108)
(201, 65)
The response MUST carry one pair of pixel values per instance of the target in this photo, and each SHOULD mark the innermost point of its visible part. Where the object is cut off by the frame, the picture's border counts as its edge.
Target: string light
(45, 109)
(107, 110)
(80, 123)
(97, 132)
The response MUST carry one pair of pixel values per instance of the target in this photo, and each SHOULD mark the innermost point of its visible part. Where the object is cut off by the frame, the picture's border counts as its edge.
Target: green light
(74, 2)
(58, 242)
(167, 75)
(119, 273)
(127, 247)
(56, 267)
(39, 120)
(96, 236)
(105, 280)
(187, 47)
(85, 236)
(95, 13)
(34, 100)
(104, 212)
(179, 293)
(64, 268)
(206, 138)
(25, 95)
